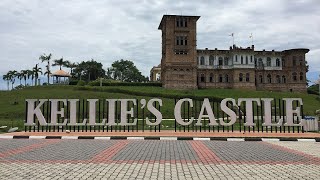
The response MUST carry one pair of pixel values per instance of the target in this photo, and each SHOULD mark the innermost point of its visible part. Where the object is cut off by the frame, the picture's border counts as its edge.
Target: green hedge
(97, 83)
(148, 94)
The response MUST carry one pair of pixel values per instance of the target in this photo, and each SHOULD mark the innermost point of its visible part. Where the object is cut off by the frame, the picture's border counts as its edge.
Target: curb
(234, 139)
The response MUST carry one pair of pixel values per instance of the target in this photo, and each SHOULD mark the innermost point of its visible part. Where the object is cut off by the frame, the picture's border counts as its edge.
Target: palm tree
(46, 58)
(6, 77)
(70, 65)
(47, 72)
(24, 75)
(36, 71)
(19, 76)
(30, 73)
(59, 62)
(12, 77)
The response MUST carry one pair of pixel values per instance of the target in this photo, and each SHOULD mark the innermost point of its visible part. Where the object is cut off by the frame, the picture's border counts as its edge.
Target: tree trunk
(8, 85)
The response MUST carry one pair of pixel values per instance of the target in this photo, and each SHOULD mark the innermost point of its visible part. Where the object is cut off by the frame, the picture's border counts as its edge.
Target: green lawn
(12, 103)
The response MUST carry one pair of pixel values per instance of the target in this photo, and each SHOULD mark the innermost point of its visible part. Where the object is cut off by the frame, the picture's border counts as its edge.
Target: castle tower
(179, 53)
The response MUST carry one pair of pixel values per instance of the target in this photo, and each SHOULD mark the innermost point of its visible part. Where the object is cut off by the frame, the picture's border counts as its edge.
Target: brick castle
(183, 66)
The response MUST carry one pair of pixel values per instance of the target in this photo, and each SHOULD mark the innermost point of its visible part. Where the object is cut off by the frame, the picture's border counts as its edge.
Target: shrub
(73, 82)
(81, 83)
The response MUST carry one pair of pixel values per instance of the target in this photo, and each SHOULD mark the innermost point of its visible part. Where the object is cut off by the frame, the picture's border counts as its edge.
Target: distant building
(183, 66)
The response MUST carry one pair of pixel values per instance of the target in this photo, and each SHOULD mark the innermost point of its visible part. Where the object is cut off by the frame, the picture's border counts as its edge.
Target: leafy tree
(36, 71)
(46, 58)
(126, 71)
(89, 70)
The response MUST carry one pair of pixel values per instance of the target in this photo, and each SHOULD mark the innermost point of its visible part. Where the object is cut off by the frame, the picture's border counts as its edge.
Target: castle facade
(183, 66)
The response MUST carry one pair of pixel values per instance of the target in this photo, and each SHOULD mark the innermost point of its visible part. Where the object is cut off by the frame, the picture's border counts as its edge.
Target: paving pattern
(154, 159)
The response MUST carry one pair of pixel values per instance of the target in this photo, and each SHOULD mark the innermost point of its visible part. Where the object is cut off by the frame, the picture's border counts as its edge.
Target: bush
(73, 82)
(115, 83)
(81, 83)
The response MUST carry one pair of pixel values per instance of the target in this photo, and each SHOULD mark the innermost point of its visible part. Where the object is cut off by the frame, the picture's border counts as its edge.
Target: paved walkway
(150, 159)
(170, 133)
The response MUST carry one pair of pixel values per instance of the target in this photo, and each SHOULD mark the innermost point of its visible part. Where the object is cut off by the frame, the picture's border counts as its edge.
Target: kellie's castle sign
(67, 112)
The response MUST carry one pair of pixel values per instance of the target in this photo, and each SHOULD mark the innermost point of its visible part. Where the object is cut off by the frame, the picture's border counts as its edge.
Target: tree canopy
(89, 70)
(126, 71)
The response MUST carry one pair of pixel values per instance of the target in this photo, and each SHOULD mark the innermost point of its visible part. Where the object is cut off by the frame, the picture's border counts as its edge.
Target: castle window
(227, 78)
(202, 60)
(241, 59)
(202, 78)
(220, 61)
(278, 62)
(246, 59)
(181, 22)
(294, 60)
(240, 77)
(261, 78)
(181, 40)
(284, 80)
(269, 78)
(236, 58)
(220, 78)
(301, 76)
(211, 60)
(283, 62)
(268, 61)
(301, 60)
(260, 62)
(278, 79)
(255, 61)
(294, 76)
(251, 58)
(247, 77)
(226, 61)
(211, 77)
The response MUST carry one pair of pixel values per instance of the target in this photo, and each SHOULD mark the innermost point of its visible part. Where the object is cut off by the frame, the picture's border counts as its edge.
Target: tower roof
(166, 16)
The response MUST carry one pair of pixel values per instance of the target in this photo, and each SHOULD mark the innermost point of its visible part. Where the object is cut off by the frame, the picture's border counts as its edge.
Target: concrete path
(150, 159)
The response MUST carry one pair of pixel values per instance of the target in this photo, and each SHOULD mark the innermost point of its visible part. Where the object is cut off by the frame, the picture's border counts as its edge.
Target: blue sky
(127, 29)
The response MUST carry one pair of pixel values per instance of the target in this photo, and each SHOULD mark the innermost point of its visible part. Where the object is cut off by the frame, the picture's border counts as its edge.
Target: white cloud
(111, 30)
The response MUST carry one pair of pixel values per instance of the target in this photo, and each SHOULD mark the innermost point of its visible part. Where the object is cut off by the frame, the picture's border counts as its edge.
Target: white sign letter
(177, 112)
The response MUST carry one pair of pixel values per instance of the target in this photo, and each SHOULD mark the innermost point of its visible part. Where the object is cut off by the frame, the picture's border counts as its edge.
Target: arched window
(247, 60)
(268, 61)
(284, 80)
(211, 77)
(226, 61)
(226, 78)
(251, 59)
(247, 77)
(202, 60)
(202, 79)
(236, 58)
(241, 59)
(278, 79)
(260, 62)
(220, 61)
(240, 77)
(211, 60)
(278, 62)
(260, 78)
(220, 78)
(301, 76)
(269, 78)
(294, 76)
